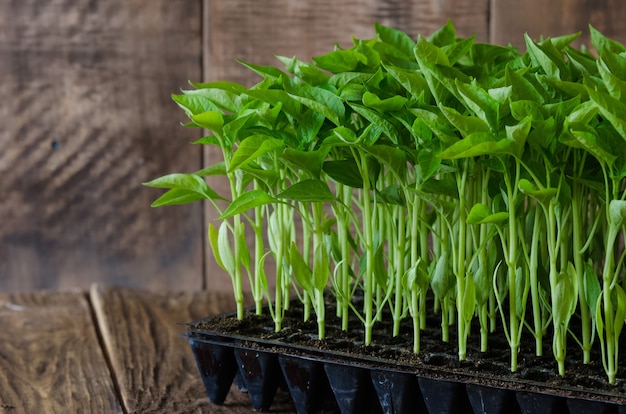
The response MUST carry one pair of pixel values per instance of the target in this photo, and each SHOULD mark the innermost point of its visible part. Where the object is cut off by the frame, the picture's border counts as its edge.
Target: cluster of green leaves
(492, 178)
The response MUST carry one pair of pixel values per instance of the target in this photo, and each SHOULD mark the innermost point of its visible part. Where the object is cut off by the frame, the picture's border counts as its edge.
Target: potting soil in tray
(340, 374)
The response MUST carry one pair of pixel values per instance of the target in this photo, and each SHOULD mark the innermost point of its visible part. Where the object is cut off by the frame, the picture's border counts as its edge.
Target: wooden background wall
(86, 115)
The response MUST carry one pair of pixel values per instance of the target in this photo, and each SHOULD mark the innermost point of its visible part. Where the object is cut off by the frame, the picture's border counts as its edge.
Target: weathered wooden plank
(256, 31)
(511, 19)
(50, 357)
(86, 118)
(154, 366)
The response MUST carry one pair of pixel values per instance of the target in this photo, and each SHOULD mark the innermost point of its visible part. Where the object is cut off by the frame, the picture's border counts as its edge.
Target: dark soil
(436, 358)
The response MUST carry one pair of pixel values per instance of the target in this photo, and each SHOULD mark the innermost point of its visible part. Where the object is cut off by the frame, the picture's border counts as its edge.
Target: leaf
(319, 100)
(312, 190)
(379, 121)
(545, 57)
(309, 161)
(193, 104)
(224, 99)
(247, 201)
(177, 196)
(211, 120)
(394, 103)
(478, 101)
(617, 213)
(268, 72)
(601, 42)
(480, 214)
(565, 296)
(465, 124)
(321, 271)
(396, 38)
(611, 109)
(213, 242)
(620, 312)
(252, 148)
(591, 286)
(440, 282)
(304, 70)
(219, 168)
(225, 251)
(469, 299)
(189, 182)
(589, 141)
(444, 35)
(301, 271)
(340, 60)
(392, 157)
(427, 52)
(475, 144)
(543, 195)
(345, 172)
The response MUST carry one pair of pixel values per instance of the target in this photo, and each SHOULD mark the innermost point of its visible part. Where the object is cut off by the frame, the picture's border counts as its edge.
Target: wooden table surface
(109, 350)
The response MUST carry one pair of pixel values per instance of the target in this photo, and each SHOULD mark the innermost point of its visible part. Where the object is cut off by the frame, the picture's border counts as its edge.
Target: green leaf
(410, 80)
(340, 60)
(441, 279)
(268, 72)
(547, 57)
(309, 161)
(588, 140)
(321, 271)
(480, 214)
(469, 299)
(304, 70)
(615, 85)
(252, 148)
(427, 164)
(444, 35)
(225, 251)
(617, 213)
(458, 49)
(394, 103)
(247, 201)
(301, 271)
(565, 297)
(428, 52)
(601, 42)
(416, 277)
(478, 101)
(193, 104)
(219, 168)
(543, 195)
(465, 124)
(211, 120)
(379, 121)
(319, 100)
(177, 196)
(476, 144)
(392, 157)
(188, 182)
(224, 99)
(396, 38)
(591, 287)
(611, 109)
(345, 172)
(620, 312)
(214, 243)
(311, 190)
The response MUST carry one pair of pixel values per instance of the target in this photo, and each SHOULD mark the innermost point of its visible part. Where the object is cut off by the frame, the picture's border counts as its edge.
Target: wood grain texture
(86, 118)
(50, 358)
(256, 31)
(154, 365)
(511, 19)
